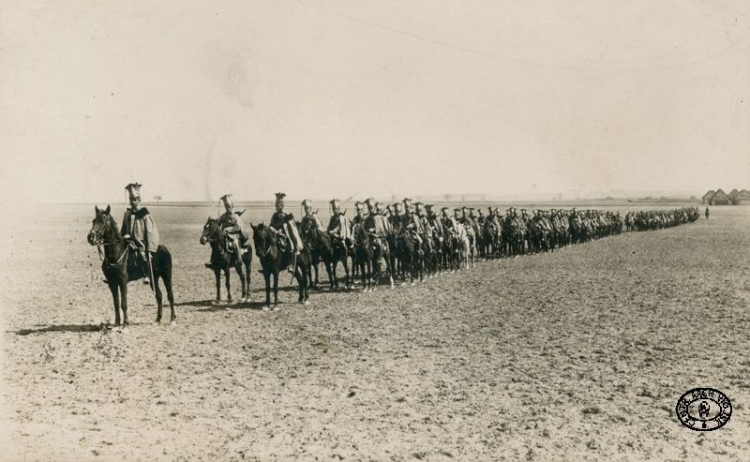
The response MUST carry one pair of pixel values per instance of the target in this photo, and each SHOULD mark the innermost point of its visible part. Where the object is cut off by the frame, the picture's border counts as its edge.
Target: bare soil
(577, 355)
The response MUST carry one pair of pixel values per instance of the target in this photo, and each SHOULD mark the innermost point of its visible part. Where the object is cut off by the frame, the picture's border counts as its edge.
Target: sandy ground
(577, 355)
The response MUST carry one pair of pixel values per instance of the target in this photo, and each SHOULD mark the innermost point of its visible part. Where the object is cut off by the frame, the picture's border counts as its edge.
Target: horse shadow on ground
(196, 303)
(64, 328)
(235, 305)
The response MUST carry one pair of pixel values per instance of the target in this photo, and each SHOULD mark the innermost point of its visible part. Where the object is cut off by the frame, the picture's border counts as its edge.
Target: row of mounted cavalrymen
(482, 235)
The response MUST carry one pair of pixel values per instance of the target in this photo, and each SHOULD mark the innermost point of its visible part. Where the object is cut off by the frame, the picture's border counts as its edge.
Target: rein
(101, 243)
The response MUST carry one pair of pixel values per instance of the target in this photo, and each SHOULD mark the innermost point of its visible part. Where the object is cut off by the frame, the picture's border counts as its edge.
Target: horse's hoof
(265, 308)
(172, 323)
(307, 303)
(413, 283)
(157, 322)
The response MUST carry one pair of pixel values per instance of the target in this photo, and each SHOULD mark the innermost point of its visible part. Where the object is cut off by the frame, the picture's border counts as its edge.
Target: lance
(150, 272)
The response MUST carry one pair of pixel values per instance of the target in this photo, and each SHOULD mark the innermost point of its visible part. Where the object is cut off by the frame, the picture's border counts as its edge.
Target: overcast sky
(329, 98)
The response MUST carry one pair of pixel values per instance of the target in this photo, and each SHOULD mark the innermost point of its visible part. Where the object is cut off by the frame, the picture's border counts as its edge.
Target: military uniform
(231, 224)
(284, 224)
(375, 222)
(140, 229)
(311, 218)
(339, 225)
(411, 222)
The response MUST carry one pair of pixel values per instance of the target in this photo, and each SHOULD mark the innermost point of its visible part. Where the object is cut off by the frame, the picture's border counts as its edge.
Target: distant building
(708, 196)
(720, 198)
(732, 194)
(742, 198)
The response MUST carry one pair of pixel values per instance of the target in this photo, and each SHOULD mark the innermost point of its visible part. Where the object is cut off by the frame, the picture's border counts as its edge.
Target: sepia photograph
(329, 230)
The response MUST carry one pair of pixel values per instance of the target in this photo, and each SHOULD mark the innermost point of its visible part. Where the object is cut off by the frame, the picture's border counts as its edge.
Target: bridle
(100, 242)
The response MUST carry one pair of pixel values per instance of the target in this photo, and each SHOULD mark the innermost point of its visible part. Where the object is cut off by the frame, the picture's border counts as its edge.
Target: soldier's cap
(418, 204)
(280, 196)
(428, 206)
(457, 210)
(481, 212)
(407, 201)
(370, 202)
(335, 202)
(307, 203)
(398, 205)
(134, 189)
(377, 206)
(358, 205)
(227, 200)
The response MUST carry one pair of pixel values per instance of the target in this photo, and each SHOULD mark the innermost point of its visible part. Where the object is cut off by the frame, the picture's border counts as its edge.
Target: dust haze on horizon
(327, 98)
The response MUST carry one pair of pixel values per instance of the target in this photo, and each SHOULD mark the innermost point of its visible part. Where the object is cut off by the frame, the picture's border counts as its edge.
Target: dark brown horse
(119, 268)
(273, 259)
(328, 249)
(223, 260)
(363, 255)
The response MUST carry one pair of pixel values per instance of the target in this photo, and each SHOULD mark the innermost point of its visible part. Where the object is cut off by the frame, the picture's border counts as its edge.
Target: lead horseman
(139, 229)
(284, 224)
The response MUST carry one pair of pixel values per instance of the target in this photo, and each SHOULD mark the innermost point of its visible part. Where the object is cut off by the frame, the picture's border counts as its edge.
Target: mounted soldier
(139, 229)
(375, 222)
(435, 223)
(311, 218)
(339, 225)
(359, 217)
(412, 223)
(284, 224)
(397, 218)
(233, 228)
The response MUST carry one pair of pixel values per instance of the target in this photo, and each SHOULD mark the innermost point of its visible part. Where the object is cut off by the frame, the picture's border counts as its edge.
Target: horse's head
(101, 223)
(211, 231)
(263, 237)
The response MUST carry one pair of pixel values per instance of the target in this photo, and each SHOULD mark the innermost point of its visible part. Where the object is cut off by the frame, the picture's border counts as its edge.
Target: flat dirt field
(577, 355)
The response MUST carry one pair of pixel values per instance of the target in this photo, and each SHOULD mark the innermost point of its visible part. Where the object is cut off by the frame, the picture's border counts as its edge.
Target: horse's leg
(299, 275)
(124, 299)
(331, 278)
(267, 277)
(248, 270)
(308, 270)
(347, 277)
(227, 275)
(114, 288)
(241, 274)
(316, 281)
(275, 287)
(158, 295)
(167, 278)
(217, 276)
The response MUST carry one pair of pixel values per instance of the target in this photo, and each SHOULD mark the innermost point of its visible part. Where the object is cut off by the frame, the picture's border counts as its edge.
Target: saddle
(137, 268)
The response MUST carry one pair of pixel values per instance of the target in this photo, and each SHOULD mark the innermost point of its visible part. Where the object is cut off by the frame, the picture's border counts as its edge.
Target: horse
(273, 258)
(381, 253)
(328, 248)
(118, 267)
(363, 255)
(222, 259)
(411, 260)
